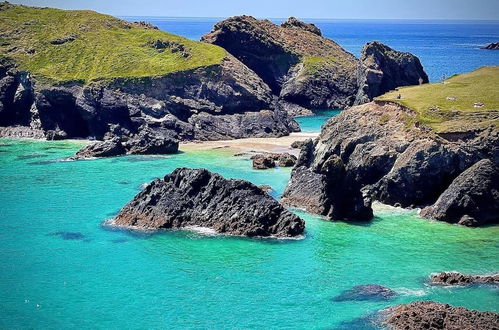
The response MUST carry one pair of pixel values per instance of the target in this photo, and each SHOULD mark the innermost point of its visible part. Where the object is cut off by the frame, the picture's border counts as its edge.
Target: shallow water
(60, 268)
(310, 124)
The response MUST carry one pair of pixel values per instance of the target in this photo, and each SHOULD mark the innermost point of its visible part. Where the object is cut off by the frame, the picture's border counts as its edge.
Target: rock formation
(492, 46)
(197, 197)
(270, 160)
(307, 70)
(383, 69)
(371, 292)
(433, 315)
(471, 199)
(218, 98)
(380, 151)
(455, 278)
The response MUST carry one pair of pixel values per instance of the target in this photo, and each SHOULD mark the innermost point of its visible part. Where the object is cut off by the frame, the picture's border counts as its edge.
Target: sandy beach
(281, 144)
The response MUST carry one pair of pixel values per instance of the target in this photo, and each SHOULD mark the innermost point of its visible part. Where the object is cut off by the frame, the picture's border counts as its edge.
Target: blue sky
(340, 9)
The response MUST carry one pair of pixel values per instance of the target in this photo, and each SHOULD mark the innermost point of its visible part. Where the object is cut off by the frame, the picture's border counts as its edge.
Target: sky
(335, 9)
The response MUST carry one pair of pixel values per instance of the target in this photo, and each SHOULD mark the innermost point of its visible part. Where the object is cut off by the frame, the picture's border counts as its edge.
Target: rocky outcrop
(308, 71)
(433, 315)
(455, 278)
(197, 197)
(271, 160)
(383, 69)
(379, 151)
(368, 292)
(472, 199)
(491, 46)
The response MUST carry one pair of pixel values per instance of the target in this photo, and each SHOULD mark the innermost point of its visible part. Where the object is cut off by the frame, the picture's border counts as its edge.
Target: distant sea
(444, 47)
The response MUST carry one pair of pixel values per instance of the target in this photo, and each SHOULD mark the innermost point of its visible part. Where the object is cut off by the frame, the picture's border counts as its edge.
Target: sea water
(60, 267)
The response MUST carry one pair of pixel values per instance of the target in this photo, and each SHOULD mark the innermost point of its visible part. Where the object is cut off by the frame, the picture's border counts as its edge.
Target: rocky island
(415, 150)
(308, 71)
(197, 197)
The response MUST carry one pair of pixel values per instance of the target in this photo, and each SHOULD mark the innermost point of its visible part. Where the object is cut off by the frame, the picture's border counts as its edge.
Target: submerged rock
(372, 292)
(472, 199)
(433, 315)
(455, 278)
(197, 197)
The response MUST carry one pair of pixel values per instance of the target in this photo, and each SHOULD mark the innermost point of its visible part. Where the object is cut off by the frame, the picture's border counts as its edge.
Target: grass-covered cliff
(84, 45)
(463, 102)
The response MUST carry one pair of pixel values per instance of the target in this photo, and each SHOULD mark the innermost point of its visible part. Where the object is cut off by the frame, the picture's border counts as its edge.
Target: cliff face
(206, 94)
(379, 151)
(305, 69)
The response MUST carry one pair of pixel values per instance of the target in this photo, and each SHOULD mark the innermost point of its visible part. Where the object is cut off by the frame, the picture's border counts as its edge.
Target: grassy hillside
(85, 45)
(449, 106)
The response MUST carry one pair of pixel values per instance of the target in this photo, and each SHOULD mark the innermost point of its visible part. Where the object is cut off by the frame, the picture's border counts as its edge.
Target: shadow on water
(69, 236)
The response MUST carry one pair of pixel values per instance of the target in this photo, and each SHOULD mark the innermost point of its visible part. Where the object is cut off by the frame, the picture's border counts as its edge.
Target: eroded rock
(455, 278)
(197, 197)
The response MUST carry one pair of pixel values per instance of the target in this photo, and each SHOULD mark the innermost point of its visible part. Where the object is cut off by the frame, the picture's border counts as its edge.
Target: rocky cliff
(189, 197)
(380, 151)
(59, 74)
(307, 70)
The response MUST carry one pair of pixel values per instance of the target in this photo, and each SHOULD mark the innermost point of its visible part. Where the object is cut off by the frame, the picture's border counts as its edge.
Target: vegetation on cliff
(84, 45)
(461, 103)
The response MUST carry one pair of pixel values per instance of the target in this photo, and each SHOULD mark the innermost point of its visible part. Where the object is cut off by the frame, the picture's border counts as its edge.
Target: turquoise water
(106, 278)
(309, 124)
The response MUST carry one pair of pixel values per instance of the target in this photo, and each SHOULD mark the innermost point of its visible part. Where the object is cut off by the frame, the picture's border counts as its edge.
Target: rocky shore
(380, 151)
(433, 315)
(455, 278)
(197, 197)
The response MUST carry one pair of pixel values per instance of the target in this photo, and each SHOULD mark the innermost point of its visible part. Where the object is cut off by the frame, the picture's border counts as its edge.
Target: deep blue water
(444, 47)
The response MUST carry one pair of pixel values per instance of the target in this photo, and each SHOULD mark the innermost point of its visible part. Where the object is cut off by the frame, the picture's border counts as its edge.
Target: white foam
(411, 292)
(202, 230)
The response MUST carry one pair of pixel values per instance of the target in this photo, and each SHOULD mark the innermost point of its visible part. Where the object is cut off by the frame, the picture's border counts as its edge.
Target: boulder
(433, 315)
(371, 292)
(270, 160)
(197, 197)
(108, 148)
(472, 199)
(298, 144)
(455, 278)
(293, 22)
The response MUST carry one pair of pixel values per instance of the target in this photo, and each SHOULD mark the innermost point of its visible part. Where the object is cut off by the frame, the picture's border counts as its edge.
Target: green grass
(105, 46)
(443, 115)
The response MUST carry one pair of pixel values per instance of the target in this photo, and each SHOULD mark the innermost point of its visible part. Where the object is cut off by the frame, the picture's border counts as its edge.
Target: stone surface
(383, 69)
(455, 278)
(472, 199)
(433, 315)
(371, 292)
(109, 148)
(379, 151)
(197, 197)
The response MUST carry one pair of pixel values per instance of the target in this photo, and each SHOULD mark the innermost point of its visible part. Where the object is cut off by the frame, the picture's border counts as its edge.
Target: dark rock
(197, 197)
(371, 292)
(433, 315)
(472, 199)
(265, 187)
(109, 148)
(292, 22)
(67, 235)
(270, 160)
(146, 143)
(455, 278)
(298, 144)
(491, 46)
(383, 69)
(63, 40)
(145, 25)
(379, 151)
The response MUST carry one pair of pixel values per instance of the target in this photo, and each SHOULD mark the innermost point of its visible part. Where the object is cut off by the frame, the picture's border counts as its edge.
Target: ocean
(61, 267)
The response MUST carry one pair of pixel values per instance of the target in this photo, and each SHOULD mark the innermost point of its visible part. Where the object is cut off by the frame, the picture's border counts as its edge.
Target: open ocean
(61, 268)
